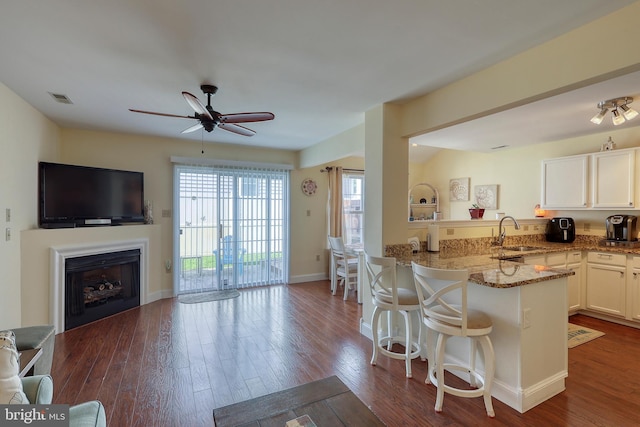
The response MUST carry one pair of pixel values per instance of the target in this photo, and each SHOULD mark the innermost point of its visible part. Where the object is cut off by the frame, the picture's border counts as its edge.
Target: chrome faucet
(502, 233)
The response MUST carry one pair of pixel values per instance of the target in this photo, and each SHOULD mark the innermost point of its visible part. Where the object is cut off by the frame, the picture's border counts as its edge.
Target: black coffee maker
(622, 228)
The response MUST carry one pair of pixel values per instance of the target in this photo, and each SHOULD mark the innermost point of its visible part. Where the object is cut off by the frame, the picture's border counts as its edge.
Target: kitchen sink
(521, 248)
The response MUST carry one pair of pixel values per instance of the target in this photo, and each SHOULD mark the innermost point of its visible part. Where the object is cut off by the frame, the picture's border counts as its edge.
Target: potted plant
(476, 212)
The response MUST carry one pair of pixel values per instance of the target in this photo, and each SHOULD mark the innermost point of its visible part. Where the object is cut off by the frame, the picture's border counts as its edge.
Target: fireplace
(99, 303)
(97, 286)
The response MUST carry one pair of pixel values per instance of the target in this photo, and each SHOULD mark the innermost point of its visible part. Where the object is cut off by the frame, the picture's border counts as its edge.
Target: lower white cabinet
(575, 294)
(634, 289)
(535, 259)
(606, 283)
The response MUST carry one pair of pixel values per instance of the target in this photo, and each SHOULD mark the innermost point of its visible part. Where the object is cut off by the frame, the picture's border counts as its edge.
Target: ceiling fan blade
(246, 117)
(241, 130)
(161, 114)
(197, 106)
(193, 128)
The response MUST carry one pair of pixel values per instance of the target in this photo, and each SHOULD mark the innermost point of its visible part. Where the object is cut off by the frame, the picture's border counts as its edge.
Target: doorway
(231, 227)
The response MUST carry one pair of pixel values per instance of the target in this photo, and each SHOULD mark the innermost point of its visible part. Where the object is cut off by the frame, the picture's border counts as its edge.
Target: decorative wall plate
(309, 187)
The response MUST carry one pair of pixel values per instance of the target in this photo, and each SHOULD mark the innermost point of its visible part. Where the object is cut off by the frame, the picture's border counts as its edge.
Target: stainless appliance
(622, 228)
(561, 230)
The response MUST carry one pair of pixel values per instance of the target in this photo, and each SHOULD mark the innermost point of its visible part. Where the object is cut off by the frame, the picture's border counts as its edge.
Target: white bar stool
(454, 320)
(387, 296)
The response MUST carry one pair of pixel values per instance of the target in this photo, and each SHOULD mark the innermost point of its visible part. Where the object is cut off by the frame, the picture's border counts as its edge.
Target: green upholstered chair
(39, 390)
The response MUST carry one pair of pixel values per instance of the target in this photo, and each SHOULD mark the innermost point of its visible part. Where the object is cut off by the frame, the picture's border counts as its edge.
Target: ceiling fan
(209, 119)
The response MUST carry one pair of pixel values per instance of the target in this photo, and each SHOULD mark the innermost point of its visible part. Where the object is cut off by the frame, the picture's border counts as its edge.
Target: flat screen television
(74, 196)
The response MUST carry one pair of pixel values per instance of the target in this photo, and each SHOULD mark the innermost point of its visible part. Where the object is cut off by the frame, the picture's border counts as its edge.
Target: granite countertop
(549, 247)
(486, 269)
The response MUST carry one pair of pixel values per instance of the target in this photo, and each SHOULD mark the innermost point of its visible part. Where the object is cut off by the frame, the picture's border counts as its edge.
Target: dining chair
(443, 300)
(388, 297)
(344, 270)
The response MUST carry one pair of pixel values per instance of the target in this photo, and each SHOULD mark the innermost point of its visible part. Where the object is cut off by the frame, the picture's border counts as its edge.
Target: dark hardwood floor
(170, 364)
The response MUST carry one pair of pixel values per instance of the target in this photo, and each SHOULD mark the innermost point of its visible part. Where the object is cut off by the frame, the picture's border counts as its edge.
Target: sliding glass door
(232, 227)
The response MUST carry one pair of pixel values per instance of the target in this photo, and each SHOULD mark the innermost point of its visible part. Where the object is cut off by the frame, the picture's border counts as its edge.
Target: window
(353, 207)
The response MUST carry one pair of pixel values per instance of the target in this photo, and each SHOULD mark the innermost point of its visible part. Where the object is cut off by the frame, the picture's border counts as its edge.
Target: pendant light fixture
(614, 104)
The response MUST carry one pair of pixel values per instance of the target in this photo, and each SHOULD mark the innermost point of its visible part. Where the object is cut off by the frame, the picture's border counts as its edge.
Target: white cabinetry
(535, 259)
(575, 283)
(606, 283)
(603, 180)
(570, 261)
(634, 288)
(564, 182)
(612, 182)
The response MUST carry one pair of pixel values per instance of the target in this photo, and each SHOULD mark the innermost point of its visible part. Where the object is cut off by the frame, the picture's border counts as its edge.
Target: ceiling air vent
(63, 99)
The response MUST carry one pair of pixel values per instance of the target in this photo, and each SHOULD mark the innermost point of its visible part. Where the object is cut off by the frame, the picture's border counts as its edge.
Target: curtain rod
(328, 168)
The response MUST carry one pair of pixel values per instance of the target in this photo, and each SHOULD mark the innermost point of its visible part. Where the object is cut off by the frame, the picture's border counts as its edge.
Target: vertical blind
(232, 225)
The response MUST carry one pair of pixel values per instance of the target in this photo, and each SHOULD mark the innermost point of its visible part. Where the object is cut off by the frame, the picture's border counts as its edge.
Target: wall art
(458, 189)
(486, 196)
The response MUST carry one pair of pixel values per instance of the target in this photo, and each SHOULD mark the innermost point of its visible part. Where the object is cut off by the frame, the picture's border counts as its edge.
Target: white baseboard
(308, 278)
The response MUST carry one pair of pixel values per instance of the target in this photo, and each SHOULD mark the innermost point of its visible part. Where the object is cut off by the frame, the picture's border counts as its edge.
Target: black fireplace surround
(98, 286)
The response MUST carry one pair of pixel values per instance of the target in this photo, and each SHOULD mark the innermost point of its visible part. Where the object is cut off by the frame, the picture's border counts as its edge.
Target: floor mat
(579, 335)
(208, 296)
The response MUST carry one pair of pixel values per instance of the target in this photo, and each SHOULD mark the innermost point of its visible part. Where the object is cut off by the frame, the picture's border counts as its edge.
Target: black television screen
(72, 195)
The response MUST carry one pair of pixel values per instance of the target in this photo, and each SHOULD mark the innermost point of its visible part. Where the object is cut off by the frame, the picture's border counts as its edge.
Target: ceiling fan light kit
(209, 119)
(614, 104)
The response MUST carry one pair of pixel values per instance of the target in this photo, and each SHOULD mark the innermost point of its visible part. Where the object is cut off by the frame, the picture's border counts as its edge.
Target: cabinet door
(535, 260)
(613, 179)
(574, 287)
(564, 182)
(606, 289)
(635, 294)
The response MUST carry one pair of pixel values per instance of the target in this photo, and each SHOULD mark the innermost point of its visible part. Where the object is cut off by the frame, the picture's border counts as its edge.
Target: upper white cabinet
(603, 180)
(564, 182)
(612, 174)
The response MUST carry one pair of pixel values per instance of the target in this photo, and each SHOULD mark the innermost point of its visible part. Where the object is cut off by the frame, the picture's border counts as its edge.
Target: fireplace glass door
(98, 286)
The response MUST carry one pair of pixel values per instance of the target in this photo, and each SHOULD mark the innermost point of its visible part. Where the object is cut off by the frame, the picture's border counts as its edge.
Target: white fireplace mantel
(59, 254)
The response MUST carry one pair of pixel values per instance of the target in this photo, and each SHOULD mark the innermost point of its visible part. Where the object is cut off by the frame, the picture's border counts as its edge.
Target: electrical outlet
(166, 213)
(7, 234)
(526, 228)
(317, 257)
(308, 212)
(8, 214)
(587, 226)
(449, 231)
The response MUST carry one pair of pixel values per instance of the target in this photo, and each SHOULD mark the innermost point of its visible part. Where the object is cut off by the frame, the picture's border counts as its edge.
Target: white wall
(26, 137)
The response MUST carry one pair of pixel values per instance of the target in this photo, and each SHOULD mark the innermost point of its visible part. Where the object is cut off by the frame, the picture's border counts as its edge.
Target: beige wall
(518, 173)
(309, 232)
(26, 137)
(579, 58)
(36, 252)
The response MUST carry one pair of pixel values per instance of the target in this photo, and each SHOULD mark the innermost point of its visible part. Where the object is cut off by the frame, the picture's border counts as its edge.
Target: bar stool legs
(384, 344)
(436, 374)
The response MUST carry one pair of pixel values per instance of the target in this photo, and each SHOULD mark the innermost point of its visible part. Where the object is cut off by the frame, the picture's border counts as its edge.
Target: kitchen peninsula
(528, 306)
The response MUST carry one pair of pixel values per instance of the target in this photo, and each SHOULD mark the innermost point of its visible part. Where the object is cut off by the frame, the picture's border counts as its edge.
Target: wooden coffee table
(328, 402)
(28, 358)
